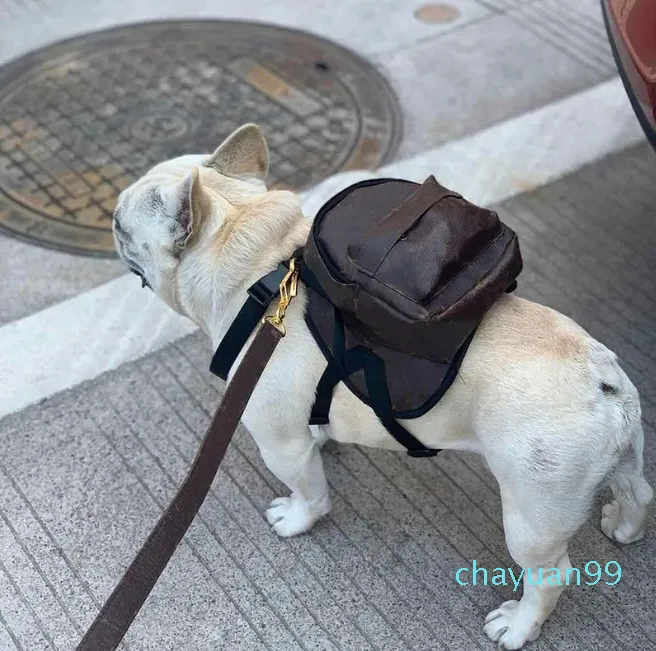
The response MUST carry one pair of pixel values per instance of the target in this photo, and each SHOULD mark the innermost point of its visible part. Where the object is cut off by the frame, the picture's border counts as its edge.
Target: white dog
(546, 405)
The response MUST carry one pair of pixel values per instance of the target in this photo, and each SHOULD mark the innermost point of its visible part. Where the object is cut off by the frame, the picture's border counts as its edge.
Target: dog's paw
(610, 515)
(292, 515)
(508, 626)
(621, 532)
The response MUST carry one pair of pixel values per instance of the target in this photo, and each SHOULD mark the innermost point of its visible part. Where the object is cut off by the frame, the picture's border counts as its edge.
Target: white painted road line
(85, 336)
(81, 338)
(520, 154)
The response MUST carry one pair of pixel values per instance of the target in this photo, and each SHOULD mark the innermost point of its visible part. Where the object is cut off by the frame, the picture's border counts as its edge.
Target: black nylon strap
(341, 365)
(374, 371)
(260, 296)
(331, 377)
(324, 397)
(344, 363)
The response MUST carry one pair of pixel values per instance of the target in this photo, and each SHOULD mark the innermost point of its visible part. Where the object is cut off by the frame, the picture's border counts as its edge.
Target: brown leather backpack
(399, 276)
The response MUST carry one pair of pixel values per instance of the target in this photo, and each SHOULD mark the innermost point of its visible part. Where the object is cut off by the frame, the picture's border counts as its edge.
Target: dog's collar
(260, 295)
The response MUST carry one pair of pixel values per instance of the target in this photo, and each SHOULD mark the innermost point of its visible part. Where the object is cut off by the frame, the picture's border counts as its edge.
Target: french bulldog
(546, 405)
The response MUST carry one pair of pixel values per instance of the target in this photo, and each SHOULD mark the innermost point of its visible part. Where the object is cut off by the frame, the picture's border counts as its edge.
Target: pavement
(453, 79)
(104, 393)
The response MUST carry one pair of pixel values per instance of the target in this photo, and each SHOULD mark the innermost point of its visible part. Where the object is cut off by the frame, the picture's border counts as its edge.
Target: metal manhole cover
(79, 121)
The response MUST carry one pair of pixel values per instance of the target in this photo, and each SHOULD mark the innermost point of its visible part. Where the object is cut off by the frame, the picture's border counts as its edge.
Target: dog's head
(176, 204)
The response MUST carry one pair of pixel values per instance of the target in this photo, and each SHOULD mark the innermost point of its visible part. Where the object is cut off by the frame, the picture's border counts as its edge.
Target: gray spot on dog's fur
(155, 200)
(120, 230)
(180, 228)
(541, 461)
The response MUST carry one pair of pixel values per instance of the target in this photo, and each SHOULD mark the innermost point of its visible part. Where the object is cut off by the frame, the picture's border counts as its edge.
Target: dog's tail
(633, 495)
(619, 395)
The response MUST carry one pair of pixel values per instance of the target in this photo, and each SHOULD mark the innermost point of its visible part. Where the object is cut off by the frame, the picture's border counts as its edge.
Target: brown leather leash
(125, 602)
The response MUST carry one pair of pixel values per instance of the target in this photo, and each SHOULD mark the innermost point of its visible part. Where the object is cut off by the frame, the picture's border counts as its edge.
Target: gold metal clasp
(288, 289)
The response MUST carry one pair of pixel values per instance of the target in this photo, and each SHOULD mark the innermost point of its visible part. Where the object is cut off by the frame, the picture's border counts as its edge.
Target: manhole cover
(79, 121)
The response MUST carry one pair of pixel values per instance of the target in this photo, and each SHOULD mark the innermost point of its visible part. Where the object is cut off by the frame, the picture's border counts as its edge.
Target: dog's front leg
(294, 456)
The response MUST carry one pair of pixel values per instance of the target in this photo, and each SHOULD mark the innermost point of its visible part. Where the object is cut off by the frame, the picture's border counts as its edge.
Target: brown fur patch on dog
(532, 331)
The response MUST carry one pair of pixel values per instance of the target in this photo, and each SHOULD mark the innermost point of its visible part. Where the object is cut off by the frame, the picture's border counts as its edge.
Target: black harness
(342, 363)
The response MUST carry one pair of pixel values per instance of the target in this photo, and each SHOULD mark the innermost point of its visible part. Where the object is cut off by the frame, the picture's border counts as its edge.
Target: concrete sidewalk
(496, 60)
(506, 99)
(84, 475)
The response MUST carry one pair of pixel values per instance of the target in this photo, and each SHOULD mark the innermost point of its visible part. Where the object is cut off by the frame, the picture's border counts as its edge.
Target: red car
(631, 26)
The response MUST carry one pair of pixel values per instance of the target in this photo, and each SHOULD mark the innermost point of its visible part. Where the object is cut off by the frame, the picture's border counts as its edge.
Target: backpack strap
(386, 232)
(379, 398)
(344, 363)
(260, 296)
(341, 365)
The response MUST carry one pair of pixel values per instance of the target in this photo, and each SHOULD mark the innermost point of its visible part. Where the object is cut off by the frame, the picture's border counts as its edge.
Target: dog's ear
(193, 206)
(243, 154)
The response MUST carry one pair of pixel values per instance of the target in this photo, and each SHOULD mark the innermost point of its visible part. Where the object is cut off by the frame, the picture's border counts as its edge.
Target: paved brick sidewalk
(84, 475)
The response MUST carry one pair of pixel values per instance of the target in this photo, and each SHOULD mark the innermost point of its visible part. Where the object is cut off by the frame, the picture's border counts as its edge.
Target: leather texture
(123, 605)
(415, 384)
(412, 268)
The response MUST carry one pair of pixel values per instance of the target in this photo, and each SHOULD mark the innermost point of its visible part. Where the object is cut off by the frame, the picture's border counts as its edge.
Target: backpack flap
(411, 267)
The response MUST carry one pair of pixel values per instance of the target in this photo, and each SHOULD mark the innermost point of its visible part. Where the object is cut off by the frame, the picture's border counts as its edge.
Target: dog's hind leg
(623, 519)
(296, 461)
(546, 493)
(538, 527)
